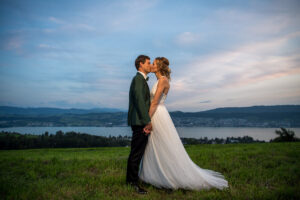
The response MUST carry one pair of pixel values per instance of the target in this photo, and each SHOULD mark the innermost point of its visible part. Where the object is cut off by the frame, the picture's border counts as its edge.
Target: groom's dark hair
(140, 58)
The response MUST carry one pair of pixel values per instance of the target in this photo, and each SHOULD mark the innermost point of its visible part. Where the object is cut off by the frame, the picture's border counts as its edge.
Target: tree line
(15, 140)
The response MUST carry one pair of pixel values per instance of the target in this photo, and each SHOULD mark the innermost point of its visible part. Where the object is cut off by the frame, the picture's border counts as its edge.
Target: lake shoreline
(258, 133)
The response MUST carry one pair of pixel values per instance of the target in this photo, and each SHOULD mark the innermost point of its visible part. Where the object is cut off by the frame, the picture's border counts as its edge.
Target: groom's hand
(148, 128)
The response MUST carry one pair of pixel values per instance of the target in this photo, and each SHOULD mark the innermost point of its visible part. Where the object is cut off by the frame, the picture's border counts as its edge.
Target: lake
(190, 132)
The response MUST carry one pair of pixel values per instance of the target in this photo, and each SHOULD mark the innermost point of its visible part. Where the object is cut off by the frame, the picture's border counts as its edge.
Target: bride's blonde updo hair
(163, 66)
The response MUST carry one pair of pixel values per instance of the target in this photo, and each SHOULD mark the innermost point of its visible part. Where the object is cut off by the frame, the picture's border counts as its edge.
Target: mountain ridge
(254, 116)
(13, 110)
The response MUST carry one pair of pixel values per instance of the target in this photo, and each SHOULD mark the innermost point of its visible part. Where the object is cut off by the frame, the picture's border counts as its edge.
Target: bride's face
(154, 67)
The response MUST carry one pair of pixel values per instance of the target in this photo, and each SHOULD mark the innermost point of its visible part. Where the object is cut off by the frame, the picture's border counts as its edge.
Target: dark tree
(285, 135)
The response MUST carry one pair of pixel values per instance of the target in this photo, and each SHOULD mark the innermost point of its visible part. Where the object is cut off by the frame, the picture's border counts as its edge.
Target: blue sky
(80, 54)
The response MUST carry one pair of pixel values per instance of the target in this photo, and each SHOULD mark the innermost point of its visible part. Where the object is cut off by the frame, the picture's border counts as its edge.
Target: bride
(165, 163)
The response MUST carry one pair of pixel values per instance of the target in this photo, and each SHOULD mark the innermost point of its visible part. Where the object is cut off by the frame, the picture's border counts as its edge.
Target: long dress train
(166, 164)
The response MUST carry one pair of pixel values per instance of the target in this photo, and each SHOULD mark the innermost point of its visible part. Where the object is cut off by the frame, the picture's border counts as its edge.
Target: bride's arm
(160, 88)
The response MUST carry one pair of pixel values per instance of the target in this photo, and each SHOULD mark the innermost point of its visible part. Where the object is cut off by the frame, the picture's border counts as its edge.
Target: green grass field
(254, 171)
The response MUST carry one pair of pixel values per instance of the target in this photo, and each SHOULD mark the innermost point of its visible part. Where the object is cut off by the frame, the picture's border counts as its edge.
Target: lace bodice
(152, 93)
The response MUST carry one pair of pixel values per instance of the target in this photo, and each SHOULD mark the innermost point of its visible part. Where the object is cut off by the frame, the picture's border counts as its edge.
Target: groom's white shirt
(144, 75)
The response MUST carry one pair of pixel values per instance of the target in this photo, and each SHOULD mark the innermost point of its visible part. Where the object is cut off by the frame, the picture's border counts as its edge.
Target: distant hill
(243, 110)
(10, 110)
(254, 116)
(257, 109)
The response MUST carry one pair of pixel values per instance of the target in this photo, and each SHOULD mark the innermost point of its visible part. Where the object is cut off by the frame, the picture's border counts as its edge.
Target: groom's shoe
(138, 188)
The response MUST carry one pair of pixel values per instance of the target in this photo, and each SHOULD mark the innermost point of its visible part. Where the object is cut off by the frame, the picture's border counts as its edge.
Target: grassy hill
(254, 171)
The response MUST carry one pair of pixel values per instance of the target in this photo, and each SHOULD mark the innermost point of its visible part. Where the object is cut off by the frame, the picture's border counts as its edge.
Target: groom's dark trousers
(138, 145)
(138, 117)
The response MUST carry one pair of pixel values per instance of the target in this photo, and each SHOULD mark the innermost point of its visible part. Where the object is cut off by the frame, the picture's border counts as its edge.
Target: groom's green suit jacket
(139, 101)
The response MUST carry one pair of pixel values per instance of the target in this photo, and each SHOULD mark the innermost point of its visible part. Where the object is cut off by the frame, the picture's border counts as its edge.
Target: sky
(80, 54)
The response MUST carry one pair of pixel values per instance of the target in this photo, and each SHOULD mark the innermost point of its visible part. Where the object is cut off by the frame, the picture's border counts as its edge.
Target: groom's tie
(147, 78)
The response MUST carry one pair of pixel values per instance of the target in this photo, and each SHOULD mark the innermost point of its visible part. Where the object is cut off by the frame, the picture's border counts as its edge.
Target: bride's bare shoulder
(164, 78)
(164, 82)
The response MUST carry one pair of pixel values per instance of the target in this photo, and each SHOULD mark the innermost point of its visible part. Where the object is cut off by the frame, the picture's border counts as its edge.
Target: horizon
(169, 110)
(74, 54)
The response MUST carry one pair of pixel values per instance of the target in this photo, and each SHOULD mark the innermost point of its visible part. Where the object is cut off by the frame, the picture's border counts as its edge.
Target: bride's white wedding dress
(166, 164)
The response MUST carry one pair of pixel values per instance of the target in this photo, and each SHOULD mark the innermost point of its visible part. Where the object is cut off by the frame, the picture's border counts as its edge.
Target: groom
(138, 119)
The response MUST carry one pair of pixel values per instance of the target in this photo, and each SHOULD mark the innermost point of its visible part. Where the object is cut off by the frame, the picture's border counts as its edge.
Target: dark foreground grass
(254, 171)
